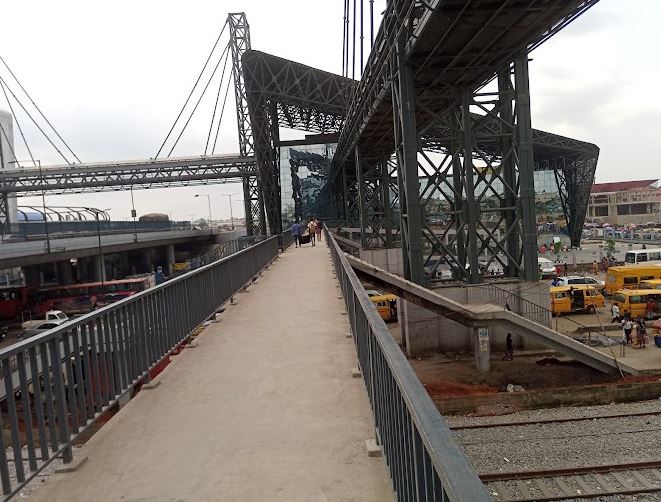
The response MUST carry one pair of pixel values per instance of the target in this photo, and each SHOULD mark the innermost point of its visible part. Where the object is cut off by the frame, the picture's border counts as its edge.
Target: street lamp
(97, 212)
(230, 195)
(209, 203)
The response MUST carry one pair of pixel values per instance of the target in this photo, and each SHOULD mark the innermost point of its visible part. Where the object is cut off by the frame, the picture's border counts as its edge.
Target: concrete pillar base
(373, 449)
(482, 349)
(78, 460)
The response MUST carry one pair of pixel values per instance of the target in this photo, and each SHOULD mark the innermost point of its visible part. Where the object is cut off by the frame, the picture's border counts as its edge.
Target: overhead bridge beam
(487, 315)
(110, 176)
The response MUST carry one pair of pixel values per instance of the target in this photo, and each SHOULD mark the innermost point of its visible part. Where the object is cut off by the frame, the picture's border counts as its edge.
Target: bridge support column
(406, 147)
(99, 268)
(64, 272)
(147, 261)
(482, 346)
(526, 169)
(170, 257)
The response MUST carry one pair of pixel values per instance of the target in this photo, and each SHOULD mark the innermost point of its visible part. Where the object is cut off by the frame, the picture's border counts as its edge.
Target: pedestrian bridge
(259, 403)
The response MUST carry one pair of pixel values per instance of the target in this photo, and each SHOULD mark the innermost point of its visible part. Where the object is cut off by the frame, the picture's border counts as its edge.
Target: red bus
(14, 300)
(83, 298)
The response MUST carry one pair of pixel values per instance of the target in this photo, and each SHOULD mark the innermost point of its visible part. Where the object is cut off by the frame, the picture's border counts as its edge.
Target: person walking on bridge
(312, 229)
(318, 226)
(296, 232)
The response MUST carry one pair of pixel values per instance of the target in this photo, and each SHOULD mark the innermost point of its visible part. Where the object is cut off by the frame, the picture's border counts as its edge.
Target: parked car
(571, 280)
(52, 319)
(546, 267)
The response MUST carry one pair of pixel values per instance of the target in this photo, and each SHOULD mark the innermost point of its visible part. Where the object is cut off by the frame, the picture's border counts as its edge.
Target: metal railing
(423, 459)
(285, 239)
(77, 371)
(219, 252)
(516, 303)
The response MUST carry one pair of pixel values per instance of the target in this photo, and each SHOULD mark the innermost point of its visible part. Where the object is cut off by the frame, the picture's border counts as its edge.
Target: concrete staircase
(486, 315)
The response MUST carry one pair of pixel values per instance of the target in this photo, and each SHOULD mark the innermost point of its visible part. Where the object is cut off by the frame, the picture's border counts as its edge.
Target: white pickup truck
(53, 319)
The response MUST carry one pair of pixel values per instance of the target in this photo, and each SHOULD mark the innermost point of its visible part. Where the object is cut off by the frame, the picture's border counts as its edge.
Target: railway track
(574, 483)
(552, 420)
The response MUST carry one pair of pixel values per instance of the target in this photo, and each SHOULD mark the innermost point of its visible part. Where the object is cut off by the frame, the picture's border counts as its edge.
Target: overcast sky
(111, 76)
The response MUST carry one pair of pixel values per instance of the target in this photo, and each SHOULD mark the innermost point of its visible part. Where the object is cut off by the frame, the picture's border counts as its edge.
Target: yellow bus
(634, 301)
(650, 284)
(629, 276)
(386, 306)
(579, 298)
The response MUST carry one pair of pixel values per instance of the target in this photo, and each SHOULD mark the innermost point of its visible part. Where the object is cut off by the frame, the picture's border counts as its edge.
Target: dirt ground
(444, 376)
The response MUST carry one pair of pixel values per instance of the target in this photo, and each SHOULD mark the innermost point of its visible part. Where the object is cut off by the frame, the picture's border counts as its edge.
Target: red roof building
(624, 202)
(622, 186)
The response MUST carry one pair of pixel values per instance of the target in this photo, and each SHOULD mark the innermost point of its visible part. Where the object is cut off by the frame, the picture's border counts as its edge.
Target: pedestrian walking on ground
(296, 232)
(641, 332)
(509, 348)
(595, 267)
(615, 313)
(649, 309)
(312, 229)
(628, 328)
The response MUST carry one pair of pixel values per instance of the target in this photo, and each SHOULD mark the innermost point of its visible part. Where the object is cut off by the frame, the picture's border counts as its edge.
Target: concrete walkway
(264, 408)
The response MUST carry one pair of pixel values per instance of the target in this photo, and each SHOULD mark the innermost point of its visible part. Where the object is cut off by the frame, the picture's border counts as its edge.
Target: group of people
(627, 327)
(311, 230)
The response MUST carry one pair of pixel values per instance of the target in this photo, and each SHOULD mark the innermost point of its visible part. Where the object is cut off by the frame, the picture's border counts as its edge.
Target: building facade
(625, 202)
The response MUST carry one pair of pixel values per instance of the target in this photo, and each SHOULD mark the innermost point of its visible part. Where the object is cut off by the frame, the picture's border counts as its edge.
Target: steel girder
(374, 184)
(252, 195)
(288, 94)
(110, 176)
(452, 45)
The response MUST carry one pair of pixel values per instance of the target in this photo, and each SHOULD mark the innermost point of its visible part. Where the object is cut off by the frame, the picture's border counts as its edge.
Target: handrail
(423, 459)
(80, 369)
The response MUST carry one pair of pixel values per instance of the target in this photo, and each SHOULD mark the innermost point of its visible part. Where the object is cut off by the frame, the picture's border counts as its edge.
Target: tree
(610, 247)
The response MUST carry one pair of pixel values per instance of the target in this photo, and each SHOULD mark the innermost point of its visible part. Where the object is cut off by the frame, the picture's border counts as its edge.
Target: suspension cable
(371, 23)
(199, 99)
(215, 106)
(344, 36)
(18, 124)
(353, 26)
(346, 46)
(2, 81)
(192, 90)
(222, 111)
(38, 109)
(362, 2)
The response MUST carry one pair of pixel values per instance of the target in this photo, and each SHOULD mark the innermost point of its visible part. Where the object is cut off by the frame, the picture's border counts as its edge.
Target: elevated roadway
(16, 254)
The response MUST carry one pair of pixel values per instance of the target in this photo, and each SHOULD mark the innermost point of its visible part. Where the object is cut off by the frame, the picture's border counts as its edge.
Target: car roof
(580, 287)
(638, 291)
(385, 297)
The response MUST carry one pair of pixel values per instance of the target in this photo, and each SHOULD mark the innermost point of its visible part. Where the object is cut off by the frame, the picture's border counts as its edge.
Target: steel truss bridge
(443, 97)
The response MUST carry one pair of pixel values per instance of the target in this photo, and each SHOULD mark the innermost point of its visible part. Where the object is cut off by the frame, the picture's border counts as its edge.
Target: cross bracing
(108, 176)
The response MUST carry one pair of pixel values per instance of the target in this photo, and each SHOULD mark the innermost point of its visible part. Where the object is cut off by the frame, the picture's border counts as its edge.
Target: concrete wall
(424, 331)
(389, 259)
